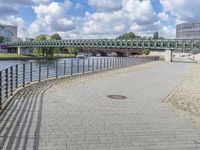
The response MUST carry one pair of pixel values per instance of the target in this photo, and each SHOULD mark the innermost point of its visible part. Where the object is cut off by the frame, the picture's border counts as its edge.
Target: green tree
(2, 39)
(56, 50)
(41, 50)
(75, 50)
(146, 51)
(55, 36)
(128, 36)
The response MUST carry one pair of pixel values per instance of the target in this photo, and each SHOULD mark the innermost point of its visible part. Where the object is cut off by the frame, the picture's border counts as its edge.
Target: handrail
(21, 75)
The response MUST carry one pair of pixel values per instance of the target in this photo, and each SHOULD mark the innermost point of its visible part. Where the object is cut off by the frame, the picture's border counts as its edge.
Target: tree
(75, 50)
(146, 51)
(41, 50)
(55, 36)
(41, 37)
(128, 36)
(2, 39)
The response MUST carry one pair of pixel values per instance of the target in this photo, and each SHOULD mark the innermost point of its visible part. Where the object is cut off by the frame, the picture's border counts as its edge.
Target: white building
(8, 32)
(188, 31)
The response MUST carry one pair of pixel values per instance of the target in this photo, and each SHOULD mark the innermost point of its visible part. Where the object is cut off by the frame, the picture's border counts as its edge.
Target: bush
(146, 51)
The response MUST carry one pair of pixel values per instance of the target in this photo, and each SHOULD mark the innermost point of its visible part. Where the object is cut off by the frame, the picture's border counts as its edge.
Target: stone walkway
(76, 114)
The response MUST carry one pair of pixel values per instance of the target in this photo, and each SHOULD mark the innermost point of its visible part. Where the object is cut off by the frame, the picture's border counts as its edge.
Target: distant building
(188, 31)
(29, 39)
(8, 32)
(155, 35)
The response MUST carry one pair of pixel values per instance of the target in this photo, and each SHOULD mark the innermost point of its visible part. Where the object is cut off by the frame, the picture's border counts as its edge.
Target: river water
(7, 63)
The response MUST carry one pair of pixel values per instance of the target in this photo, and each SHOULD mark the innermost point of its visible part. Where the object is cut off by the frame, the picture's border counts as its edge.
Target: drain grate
(117, 97)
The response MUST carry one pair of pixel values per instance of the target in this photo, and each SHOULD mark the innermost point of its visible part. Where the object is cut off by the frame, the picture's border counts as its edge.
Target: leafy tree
(75, 50)
(55, 36)
(146, 51)
(2, 39)
(128, 36)
(41, 37)
(53, 50)
(41, 50)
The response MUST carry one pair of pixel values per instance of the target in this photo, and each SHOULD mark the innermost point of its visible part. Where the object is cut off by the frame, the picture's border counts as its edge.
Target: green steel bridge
(181, 45)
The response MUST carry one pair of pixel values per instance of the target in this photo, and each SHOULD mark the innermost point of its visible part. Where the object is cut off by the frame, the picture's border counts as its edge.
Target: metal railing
(21, 75)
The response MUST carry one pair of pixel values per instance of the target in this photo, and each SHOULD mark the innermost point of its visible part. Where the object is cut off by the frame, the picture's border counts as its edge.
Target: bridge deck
(77, 114)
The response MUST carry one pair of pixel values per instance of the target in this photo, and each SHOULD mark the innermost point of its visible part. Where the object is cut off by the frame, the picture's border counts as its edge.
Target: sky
(78, 19)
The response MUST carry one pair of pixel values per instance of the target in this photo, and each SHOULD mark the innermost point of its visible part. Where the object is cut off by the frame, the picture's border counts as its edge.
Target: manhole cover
(117, 96)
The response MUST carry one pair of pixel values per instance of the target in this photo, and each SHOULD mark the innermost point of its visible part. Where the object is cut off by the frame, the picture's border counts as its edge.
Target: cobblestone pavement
(76, 114)
(186, 96)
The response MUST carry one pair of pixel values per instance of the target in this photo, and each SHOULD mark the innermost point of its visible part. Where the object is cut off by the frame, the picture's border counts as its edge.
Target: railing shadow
(18, 120)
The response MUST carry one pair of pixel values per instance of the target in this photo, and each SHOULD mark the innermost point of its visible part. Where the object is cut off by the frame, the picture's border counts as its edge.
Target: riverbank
(14, 56)
(186, 96)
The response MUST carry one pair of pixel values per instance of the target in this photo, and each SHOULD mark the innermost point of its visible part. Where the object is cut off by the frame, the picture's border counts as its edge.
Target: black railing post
(110, 62)
(117, 62)
(104, 63)
(107, 63)
(97, 67)
(92, 65)
(47, 70)
(31, 72)
(100, 63)
(6, 85)
(24, 74)
(77, 66)
(72, 67)
(56, 68)
(83, 66)
(11, 80)
(40, 72)
(113, 62)
(88, 65)
(1, 96)
(64, 67)
(16, 76)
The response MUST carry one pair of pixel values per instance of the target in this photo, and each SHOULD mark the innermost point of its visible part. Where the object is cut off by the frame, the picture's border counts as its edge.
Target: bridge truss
(183, 45)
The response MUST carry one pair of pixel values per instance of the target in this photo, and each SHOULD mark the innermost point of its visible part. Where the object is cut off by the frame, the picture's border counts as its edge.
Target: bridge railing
(22, 75)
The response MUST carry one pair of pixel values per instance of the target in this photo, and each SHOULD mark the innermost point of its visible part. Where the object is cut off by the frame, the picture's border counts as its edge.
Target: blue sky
(97, 18)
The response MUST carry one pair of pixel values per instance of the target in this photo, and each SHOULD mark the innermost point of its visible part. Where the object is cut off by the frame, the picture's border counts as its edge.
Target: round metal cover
(117, 96)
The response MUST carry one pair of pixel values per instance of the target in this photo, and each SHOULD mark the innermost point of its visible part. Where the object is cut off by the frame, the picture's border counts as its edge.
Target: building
(188, 31)
(155, 35)
(8, 32)
(29, 39)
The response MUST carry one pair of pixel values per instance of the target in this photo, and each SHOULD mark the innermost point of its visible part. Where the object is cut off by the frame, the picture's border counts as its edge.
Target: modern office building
(188, 31)
(8, 32)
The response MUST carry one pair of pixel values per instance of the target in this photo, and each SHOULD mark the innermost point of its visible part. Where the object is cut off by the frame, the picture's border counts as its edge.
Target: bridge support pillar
(168, 55)
(19, 50)
(127, 53)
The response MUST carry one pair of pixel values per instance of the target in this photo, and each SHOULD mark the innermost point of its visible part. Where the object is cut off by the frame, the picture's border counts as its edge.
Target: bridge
(125, 47)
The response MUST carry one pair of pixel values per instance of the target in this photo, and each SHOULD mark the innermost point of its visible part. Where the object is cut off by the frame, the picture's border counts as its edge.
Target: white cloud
(137, 16)
(106, 5)
(183, 10)
(51, 18)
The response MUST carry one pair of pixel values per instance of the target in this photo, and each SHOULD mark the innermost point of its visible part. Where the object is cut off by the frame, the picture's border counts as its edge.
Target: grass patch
(15, 55)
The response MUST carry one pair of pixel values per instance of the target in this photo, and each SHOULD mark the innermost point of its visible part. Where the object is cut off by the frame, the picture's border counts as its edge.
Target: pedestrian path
(76, 114)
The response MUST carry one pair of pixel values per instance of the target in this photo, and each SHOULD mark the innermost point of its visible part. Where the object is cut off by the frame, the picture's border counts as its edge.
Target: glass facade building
(8, 32)
(188, 31)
